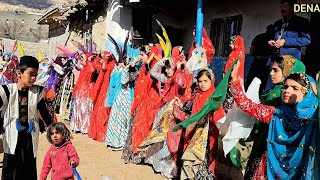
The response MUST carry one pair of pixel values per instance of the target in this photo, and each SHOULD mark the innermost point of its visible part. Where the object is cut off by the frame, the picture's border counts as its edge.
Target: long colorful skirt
(119, 121)
(81, 114)
(154, 148)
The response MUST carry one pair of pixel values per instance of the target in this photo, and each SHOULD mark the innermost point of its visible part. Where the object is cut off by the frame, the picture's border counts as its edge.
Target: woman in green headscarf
(282, 66)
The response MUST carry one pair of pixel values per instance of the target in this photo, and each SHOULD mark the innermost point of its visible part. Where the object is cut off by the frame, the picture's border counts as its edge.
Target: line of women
(138, 105)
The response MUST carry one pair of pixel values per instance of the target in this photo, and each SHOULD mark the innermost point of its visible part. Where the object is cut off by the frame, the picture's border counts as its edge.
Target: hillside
(29, 5)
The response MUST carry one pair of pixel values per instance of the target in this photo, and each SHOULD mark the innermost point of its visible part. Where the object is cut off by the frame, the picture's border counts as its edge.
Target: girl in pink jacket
(62, 156)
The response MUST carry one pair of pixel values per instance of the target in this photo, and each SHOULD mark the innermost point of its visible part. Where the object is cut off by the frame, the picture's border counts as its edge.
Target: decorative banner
(199, 23)
(40, 56)
(15, 46)
(21, 48)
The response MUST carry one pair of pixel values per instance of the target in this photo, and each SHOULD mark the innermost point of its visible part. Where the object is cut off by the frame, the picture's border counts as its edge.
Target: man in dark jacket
(291, 32)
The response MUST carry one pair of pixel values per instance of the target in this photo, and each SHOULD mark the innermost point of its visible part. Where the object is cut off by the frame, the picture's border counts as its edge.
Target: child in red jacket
(62, 156)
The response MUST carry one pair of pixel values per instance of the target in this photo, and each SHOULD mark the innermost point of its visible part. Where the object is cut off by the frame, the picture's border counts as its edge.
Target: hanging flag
(15, 46)
(21, 48)
(40, 56)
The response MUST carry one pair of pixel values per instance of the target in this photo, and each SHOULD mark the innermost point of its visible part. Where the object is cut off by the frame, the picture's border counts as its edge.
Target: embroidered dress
(260, 131)
(10, 72)
(155, 147)
(200, 142)
(140, 105)
(292, 144)
(65, 104)
(100, 116)
(118, 126)
(145, 113)
(83, 106)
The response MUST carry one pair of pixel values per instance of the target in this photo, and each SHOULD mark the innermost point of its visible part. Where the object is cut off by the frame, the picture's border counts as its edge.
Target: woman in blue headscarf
(293, 136)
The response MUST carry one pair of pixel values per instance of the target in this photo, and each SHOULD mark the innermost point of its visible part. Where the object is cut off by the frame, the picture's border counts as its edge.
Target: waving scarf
(176, 51)
(291, 65)
(293, 140)
(207, 45)
(212, 104)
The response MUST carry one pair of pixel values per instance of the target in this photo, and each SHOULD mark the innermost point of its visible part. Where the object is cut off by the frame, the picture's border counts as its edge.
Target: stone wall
(30, 48)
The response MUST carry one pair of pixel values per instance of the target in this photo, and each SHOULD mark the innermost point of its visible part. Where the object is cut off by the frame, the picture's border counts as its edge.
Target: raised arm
(262, 112)
(155, 72)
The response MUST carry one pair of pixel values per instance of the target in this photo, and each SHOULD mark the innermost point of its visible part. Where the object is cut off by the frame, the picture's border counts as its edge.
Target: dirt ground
(97, 161)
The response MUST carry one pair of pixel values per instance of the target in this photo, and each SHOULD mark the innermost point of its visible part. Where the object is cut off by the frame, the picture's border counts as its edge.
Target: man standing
(291, 32)
(260, 51)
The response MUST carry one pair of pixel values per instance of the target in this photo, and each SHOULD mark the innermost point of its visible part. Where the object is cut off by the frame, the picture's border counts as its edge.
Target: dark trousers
(21, 165)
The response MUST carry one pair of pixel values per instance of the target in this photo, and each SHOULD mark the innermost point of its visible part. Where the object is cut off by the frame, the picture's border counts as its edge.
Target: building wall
(257, 14)
(30, 48)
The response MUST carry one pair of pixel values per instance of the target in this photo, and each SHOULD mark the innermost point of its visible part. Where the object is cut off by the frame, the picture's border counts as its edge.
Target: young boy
(20, 103)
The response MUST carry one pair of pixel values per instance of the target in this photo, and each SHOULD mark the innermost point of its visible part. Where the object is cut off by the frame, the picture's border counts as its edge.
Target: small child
(62, 156)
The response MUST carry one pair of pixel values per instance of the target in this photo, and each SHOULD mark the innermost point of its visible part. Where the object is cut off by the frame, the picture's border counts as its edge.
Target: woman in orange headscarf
(100, 116)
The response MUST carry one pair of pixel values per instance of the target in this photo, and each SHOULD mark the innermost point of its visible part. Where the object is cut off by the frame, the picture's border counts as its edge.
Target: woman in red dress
(200, 140)
(100, 116)
(238, 51)
(144, 107)
(10, 72)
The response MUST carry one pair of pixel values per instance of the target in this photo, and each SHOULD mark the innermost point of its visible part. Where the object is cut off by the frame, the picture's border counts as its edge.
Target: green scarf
(213, 103)
(272, 97)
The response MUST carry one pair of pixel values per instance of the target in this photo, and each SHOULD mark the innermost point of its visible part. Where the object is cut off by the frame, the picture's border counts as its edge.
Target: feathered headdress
(79, 46)
(166, 45)
(121, 52)
(66, 51)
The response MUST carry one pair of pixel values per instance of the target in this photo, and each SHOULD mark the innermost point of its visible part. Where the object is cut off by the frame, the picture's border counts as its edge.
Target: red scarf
(201, 98)
(143, 82)
(237, 52)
